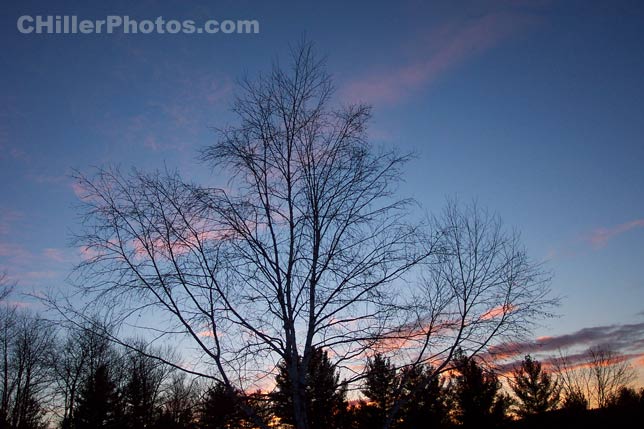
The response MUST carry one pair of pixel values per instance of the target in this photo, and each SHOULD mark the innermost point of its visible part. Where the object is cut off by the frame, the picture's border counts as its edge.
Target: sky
(533, 108)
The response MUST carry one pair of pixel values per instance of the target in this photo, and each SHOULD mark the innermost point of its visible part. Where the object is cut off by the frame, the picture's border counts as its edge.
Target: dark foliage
(537, 392)
(426, 402)
(220, 408)
(325, 398)
(380, 387)
(99, 404)
(476, 394)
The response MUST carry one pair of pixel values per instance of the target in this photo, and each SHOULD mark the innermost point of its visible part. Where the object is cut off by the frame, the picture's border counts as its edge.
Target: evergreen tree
(139, 410)
(220, 408)
(325, 399)
(380, 387)
(535, 389)
(98, 404)
(142, 391)
(475, 393)
(626, 398)
(426, 401)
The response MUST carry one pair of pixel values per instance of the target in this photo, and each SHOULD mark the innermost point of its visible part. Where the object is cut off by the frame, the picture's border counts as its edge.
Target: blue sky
(536, 109)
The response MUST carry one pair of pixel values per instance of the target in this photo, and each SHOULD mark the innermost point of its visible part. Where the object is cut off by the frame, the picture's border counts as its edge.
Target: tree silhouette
(26, 342)
(574, 401)
(76, 358)
(475, 394)
(608, 373)
(381, 386)
(324, 396)
(595, 376)
(536, 390)
(426, 399)
(301, 249)
(627, 398)
(220, 408)
(142, 390)
(98, 404)
(179, 403)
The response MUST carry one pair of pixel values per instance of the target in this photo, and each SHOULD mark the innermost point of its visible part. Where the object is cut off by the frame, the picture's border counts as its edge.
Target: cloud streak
(446, 48)
(618, 337)
(601, 236)
(626, 341)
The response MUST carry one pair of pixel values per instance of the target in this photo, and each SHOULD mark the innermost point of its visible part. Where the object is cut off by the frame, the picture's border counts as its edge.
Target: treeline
(77, 379)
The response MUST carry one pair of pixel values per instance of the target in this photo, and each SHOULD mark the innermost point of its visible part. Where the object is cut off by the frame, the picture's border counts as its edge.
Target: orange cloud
(640, 361)
(498, 311)
(207, 333)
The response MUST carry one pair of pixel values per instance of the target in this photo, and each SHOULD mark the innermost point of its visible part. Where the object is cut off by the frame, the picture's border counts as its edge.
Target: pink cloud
(38, 275)
(626, 340)
(173, 117)
(79, 190)
(88, 253)
(179, 246)
(151, 143)
(18, 304)
(83, 191)
(600, 237)
(56, 255)
(446, 47)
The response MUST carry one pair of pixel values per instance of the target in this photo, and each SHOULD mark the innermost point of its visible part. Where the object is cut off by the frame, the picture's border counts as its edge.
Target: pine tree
(141, 395)
(325, 399)
(426, 399)
(380, 387)
(98, 404)
(475, 392)
(535, 389)
(220, 408)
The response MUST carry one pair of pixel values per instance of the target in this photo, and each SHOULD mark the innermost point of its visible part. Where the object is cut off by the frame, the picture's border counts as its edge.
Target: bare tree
(143, 387)
(5, 286)
(26, 376)
(478, 287)
(574, 381)
(179, 401)
(595, 376)
(24, 371)
(608, 373)
(308, 247)
(76, 357)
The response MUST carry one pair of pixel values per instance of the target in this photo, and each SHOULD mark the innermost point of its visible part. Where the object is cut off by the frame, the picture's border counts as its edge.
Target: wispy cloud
(443, 49)
(601, 236)
(497, 312)
(625, 340)
(618, 337)
(56, 255)
(172, 117)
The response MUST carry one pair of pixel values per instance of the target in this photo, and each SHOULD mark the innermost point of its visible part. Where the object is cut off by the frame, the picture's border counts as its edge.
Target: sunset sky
(534, 108)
